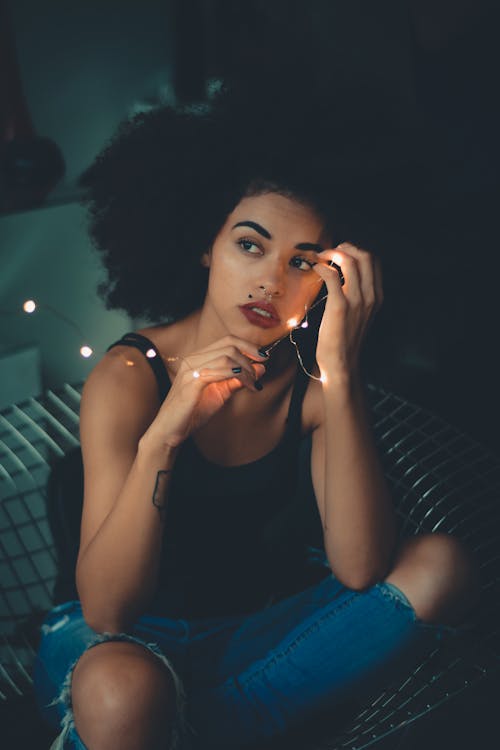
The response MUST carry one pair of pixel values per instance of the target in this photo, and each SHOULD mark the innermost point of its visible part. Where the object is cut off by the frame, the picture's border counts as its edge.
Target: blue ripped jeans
(247, 679)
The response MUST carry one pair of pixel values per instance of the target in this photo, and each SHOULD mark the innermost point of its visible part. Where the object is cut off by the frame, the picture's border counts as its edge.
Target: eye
(245, 242)
(297, 260)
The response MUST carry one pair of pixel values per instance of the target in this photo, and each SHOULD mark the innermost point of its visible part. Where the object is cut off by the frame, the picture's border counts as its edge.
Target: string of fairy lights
(31, 306)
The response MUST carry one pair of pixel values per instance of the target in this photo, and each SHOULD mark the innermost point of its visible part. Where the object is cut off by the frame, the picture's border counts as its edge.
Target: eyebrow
(301, 246)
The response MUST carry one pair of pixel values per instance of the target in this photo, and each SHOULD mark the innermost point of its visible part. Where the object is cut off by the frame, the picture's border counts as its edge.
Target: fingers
(214, 376)
(231, 352)
(362, 272)
(229, 355)
(226, 367)
(233, 358)
(337, 293)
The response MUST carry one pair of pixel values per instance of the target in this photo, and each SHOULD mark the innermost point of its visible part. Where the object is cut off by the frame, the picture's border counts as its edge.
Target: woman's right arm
(129, 448)
(122, 528)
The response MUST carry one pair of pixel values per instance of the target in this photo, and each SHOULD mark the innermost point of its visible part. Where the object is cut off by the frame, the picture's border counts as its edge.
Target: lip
(257, 319)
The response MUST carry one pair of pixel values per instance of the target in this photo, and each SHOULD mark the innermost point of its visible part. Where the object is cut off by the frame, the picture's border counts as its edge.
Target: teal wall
(46, 256)
(85, 66)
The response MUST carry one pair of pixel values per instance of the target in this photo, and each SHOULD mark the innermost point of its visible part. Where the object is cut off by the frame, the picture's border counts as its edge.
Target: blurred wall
(84, 67)
(46, 256)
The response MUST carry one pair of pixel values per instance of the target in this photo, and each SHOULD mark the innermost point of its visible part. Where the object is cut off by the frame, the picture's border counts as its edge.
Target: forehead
(280, 213)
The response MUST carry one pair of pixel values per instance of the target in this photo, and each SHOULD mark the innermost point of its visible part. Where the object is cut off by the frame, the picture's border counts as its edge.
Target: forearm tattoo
(159, 493)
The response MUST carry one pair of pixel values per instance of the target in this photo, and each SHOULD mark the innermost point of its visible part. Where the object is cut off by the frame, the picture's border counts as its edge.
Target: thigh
(272, 670)
(220, 648)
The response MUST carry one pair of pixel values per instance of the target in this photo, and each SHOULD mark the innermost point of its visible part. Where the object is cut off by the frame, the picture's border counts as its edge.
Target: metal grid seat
(441, 480)
(33, 435)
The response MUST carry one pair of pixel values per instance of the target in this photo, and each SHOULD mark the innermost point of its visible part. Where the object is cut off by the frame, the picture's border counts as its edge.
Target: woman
(194, 627)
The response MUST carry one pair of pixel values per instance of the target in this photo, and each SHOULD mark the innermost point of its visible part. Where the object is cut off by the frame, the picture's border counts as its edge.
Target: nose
(269, 294)
(273, 282)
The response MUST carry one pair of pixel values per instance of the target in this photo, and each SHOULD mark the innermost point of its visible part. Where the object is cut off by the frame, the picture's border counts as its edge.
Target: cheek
(301, 300)
(314, 290)
(223, 275)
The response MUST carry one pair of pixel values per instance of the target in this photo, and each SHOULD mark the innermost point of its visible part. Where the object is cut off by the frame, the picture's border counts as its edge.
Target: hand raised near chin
(204, 382)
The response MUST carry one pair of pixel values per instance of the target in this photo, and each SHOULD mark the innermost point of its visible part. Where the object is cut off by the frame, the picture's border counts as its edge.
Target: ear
(205, 258)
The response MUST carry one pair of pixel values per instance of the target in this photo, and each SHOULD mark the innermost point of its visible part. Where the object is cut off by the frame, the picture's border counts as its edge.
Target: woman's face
(267, 244)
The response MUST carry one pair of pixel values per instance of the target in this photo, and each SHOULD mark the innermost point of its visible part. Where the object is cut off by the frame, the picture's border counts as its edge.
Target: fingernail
(262, 352)
(236, 369)
(258, 385)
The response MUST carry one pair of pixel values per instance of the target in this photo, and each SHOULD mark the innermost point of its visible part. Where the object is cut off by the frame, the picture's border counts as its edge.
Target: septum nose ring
(266, 293)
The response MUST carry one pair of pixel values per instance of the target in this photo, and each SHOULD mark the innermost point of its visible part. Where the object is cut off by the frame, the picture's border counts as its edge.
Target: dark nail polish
(258, 385)
(263, 352)
(236, 369)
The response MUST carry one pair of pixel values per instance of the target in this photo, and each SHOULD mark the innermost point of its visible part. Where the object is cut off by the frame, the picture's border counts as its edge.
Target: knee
(119, 687)
(446, 558)
(445, 576)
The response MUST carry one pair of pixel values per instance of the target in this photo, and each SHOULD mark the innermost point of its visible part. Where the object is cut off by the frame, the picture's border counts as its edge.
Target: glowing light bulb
(304, 324)
(292, 322)
(323, 378)
(196, 374)
(86, 351)
(29, 306)
(150, 353)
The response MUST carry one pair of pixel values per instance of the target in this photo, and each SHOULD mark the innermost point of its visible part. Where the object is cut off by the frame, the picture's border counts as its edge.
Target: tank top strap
(152, 355)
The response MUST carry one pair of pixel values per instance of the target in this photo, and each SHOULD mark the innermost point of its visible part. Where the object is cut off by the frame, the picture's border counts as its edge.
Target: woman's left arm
(359, 522)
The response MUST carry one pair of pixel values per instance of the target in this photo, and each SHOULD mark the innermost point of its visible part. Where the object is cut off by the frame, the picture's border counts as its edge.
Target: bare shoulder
(121, 382)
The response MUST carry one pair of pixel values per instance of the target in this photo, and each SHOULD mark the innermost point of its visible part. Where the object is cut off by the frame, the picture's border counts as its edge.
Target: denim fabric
(247, 679)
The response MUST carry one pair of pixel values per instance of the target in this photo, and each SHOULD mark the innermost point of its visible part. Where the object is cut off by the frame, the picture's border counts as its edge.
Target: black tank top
(236, 537)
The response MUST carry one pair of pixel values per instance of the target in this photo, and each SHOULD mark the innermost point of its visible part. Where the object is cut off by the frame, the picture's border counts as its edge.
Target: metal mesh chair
(33, 435)
(441, 481)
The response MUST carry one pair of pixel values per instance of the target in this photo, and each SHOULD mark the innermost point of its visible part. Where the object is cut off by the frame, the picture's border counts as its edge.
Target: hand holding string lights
(293, 323)
(348, 312)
